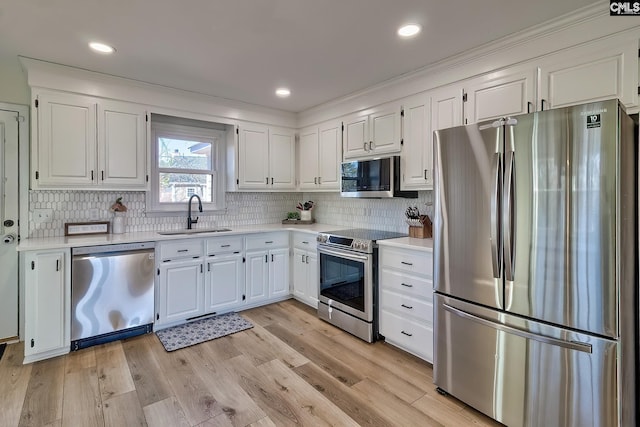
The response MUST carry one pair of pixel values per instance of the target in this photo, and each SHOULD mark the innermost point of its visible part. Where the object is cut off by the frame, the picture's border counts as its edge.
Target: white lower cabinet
(181, 290)
(406, 299)
(224, 284)
(47, 285)
(267, 269)
(305, 269)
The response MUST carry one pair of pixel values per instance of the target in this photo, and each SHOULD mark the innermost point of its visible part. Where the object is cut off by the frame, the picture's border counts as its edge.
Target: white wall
(13, 82)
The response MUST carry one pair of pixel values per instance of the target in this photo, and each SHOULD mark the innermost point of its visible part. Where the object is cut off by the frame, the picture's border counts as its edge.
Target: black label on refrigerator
(593, 121)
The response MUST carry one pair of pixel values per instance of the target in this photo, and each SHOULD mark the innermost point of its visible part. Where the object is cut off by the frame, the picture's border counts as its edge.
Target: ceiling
(245, 49)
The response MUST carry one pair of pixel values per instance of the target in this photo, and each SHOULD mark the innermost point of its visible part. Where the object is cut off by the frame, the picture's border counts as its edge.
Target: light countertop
(425, 245)
(44, 243)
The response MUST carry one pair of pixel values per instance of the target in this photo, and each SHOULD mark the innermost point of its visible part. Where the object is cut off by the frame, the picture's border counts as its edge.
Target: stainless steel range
(348, 284)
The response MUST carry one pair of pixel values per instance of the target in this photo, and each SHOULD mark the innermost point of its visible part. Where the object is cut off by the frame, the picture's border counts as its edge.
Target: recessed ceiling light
(409, 30)
(283, 92)
(101, 47)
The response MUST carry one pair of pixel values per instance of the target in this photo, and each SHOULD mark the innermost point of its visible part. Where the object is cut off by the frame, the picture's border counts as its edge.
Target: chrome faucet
(190, 221)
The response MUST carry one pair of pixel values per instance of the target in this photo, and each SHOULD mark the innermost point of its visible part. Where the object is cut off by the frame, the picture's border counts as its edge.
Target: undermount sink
(194, 231)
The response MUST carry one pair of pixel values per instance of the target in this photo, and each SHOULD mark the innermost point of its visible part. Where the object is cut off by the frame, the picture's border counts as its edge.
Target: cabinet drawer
(304, 241)
(220, 245)
(419, 310)
(181, 249)
(407, 334)
(267, 241)
(416, 262)
(414, 286)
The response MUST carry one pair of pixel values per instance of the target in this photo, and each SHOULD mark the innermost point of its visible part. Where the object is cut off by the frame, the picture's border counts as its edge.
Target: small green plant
(293, 215)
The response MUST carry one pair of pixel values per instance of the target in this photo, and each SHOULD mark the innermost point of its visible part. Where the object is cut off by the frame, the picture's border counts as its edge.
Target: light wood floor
(290, 369)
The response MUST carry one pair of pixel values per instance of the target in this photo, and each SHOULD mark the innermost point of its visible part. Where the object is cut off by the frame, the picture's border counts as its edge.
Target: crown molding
(585, 24)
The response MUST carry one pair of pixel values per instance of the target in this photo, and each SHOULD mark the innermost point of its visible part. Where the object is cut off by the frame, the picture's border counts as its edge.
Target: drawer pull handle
(406, 263)
(268, 242)
(183, 250)
(306, 243)
(407, 306)
(225, 246)
(407, 285)
(406, 333)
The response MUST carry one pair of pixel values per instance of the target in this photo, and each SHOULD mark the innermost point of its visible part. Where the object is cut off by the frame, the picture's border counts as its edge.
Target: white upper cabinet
(416, 158)
(64, 153)
(320, 153)
(282, 160)
(588, 74)
(266, 158)
(122, 144)
(84, 142)
(499, 94)
(375, 133)
(446, 107)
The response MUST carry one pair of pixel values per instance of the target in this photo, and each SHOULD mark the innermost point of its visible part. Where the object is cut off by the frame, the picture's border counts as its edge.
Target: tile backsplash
(242, 209)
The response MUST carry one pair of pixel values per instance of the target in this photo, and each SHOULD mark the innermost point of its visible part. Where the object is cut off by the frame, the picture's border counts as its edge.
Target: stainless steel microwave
(374, 178)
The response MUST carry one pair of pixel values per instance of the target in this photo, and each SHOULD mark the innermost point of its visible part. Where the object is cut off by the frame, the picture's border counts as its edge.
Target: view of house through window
(186, 162)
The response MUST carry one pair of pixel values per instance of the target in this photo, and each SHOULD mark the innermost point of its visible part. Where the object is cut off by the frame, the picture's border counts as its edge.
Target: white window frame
(217, 172)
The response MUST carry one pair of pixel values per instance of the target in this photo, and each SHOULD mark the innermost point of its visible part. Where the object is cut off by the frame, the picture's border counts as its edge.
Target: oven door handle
(343, 254)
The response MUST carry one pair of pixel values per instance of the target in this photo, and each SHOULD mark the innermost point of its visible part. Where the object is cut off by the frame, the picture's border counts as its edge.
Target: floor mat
(198, 331)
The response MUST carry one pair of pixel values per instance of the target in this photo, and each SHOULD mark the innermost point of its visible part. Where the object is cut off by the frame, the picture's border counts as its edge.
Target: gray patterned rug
(202, 330)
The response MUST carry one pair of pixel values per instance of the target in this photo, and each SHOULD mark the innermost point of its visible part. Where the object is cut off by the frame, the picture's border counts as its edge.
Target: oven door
(346, 281)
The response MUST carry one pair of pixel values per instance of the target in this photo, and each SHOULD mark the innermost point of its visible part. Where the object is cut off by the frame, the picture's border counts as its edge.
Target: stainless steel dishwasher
(112, 293)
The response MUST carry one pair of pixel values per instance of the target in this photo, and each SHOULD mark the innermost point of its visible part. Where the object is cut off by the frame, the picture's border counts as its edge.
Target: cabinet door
(279, 272)
(257, 276)
(282, 159)
(66, 143)
(313, 280)
(181, 290)
(224, 283)
(588, 76)
(356, 136)
(446, 108)
(253, 157)
(499, 94)
(46, 303)
(299, 274)
(121, 145)
(308, 159)
(385, 132)
(329, 155)
(416, 157)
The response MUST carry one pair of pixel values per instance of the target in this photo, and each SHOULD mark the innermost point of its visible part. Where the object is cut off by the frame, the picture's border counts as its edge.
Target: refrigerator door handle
(508, 215)
(571, 345)
(496, 241)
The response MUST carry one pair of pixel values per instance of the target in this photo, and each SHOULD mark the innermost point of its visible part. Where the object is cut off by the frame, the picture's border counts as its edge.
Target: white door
(224, 283)
(330, 155)
(416, 151)
(279, 272)
(181, 290)
(282, 159)
(257, 276)
(253, 157)
(299, 274)
(8, 225)
(356, 136)
(384, 136)
(311, 259)
(308, 159)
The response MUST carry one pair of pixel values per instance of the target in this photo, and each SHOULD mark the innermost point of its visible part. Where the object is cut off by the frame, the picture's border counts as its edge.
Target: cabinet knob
(9, 238)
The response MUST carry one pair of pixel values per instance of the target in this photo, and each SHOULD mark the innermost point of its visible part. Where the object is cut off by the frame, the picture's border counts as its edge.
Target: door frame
(24, 144)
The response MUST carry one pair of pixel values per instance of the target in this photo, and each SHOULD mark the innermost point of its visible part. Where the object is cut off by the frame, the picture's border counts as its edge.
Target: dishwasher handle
(111, 254)
(120, 247)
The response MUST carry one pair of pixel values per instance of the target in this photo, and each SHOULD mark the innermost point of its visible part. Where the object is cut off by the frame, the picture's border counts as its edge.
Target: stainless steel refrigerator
(535, 266)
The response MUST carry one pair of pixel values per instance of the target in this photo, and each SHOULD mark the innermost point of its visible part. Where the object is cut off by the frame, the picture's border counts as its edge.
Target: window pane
(178, 187)
(184, 154)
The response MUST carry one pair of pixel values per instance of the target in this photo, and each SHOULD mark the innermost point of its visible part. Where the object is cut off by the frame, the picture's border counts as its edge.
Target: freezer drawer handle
(406, 263)
(406, 333)
(407, 285)
(572, 345)
(407, 306)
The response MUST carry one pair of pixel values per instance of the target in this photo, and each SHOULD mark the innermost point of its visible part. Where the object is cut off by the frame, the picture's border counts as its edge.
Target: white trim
(586, 25)
(47, 75)
(23, 195)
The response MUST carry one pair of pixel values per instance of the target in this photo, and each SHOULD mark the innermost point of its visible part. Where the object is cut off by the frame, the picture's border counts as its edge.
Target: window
(187, 160)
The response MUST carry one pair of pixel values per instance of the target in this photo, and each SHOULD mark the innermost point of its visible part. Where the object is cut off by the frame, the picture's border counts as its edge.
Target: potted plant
(118, 208)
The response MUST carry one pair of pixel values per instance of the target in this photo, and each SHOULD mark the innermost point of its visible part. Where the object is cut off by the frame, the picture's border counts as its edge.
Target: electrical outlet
(94, 214)
(42, 215)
